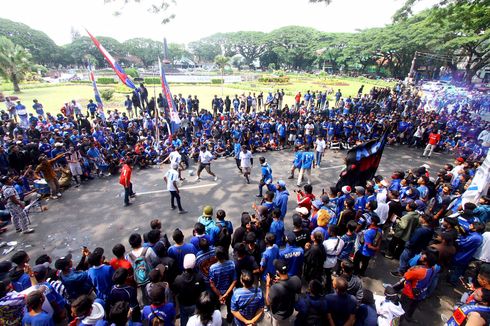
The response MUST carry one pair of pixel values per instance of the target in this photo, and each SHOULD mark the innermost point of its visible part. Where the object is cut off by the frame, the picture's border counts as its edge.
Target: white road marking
(181, 188)
(332, 167)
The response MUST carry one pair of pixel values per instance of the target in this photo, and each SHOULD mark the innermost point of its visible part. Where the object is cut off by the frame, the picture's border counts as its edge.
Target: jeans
(185, 313)
(406, 255)
(318, 157)
(175, 195)
(128, 191)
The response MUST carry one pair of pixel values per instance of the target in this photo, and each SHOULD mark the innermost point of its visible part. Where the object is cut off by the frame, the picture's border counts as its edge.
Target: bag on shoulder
(141, 268)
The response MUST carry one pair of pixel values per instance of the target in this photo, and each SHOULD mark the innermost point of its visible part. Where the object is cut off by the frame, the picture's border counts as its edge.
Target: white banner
(479, 184)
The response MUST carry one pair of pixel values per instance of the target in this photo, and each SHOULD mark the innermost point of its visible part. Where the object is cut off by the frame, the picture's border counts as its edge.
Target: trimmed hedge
(217, 81)
(152, 81)
(106, 80)
(277, 80)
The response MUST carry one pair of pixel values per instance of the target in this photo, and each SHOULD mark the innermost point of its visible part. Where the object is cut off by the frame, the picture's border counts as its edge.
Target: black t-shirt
(282, 296)
(302, 237)
(341, 307)
(187, 287)
(246, 263)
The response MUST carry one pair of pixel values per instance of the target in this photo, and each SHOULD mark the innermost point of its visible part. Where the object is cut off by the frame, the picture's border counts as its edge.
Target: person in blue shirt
(266, 174)
(35, 316)
(159, 312)
(270, 253)
(180, 249)
(100, 275)
(222, 279)
(482, 212)
(38, 107)
(237, 148)
(277, 227)
(91, 108)
(370, 245)
(312, 308)
(76, 282)
(247, 303)
(281, 196)
(467, 246)
(292, 255)
(19, 278)
(307, 163)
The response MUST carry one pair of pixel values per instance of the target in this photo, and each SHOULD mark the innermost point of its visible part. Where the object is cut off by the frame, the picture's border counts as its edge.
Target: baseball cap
(281, 266)
(460, 160)
(63, 262)
(189, 261)
(325, 199)
(281, 183)
(41, 270)
(360, 190)
(317, 203)
(346, 189)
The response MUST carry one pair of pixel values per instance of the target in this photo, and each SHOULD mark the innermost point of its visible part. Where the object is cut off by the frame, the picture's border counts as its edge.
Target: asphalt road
(93, 215)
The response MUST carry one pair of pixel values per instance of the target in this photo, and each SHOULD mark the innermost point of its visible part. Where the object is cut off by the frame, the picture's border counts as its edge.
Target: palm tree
(15, 62)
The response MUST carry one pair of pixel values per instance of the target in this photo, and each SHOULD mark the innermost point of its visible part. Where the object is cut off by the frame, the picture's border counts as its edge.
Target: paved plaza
(93, 215)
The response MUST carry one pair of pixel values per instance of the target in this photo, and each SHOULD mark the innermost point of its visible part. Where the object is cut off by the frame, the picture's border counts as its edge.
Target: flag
(114, 64)
(174, 114)
(98, 99)
(362, 162)
(480, 183)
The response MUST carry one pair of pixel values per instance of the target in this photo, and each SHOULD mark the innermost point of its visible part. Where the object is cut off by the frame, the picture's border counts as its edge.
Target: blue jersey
(277, 228)
(298, 157)
(266, 172)
(267, 260)
(294, 257)
(222, 275)
(307, 160)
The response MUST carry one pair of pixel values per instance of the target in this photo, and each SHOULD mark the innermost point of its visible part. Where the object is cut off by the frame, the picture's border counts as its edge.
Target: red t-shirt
(434, 138)
(118, 263)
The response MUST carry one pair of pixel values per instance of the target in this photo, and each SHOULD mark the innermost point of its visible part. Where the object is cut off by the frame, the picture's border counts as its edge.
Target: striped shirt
(222, 275)
(247, 302)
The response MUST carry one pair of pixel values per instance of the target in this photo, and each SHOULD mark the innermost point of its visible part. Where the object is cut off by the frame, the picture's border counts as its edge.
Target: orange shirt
(125, 178)
(434, 138)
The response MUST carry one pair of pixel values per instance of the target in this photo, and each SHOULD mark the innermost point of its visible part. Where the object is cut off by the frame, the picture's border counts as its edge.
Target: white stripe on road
(332, 167)
(181, 188)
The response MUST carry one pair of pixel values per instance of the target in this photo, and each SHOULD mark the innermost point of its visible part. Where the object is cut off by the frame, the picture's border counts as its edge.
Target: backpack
(223, 238)
(141, 268)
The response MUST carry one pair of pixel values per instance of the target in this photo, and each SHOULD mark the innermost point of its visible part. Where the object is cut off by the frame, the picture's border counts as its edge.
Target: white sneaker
(198, 179)
(28, 231)
(216, 178)
(58, 194)
(54, 197)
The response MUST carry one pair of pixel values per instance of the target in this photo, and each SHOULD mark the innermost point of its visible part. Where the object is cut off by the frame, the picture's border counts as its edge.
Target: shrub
(276, 80)
(132, 72)
(106, 94)
(217, 81)
(106, 80)
(152, 81)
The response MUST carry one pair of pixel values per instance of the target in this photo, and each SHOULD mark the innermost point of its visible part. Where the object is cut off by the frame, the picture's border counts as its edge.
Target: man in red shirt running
(434, 139)
(125, 181)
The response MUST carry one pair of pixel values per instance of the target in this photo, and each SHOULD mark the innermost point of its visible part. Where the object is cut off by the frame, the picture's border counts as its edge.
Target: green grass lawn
(54, 96)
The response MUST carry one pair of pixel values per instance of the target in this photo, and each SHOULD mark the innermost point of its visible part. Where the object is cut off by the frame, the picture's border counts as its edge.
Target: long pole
(411, 74)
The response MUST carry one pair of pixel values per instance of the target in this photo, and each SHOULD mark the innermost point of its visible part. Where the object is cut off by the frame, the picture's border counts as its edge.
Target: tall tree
(146, 49)
(15, 62)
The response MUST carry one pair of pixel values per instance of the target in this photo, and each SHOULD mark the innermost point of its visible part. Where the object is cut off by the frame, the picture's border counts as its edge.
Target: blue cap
(281, 183)
(317, 203)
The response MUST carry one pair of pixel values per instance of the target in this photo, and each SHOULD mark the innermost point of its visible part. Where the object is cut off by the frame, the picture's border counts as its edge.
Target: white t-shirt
(320, 145)
(175, 157)
(196, 320)
(245, 159)
(205, 157)
(309, 128)
(172, 176)
(333, 247)
(483, 252)
(382, 212)
(387, 310)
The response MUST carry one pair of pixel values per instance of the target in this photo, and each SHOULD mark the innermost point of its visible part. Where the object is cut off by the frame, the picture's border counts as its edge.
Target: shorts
(292, 137)
(246, 169)
(75, 169)
(203, 166)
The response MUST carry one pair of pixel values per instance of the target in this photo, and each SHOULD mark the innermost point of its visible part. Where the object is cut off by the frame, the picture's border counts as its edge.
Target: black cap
(281, 266)
(63, 262)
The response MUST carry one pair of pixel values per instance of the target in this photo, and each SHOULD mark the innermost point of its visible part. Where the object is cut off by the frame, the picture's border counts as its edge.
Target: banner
(98, 99)
(114, 64)
(362, 162)
(479, 184)
(174, 114)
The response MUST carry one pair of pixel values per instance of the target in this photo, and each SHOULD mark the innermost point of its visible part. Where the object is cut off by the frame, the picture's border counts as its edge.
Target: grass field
(53, 96)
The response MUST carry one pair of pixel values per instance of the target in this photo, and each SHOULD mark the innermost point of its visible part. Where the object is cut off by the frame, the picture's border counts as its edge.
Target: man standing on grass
(171, 178)
(125, 181)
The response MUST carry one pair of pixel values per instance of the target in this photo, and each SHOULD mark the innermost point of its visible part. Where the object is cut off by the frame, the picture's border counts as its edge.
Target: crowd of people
(310, 274)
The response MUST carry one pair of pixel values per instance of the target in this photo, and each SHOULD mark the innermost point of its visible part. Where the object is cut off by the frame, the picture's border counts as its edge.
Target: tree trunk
(15, 82)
